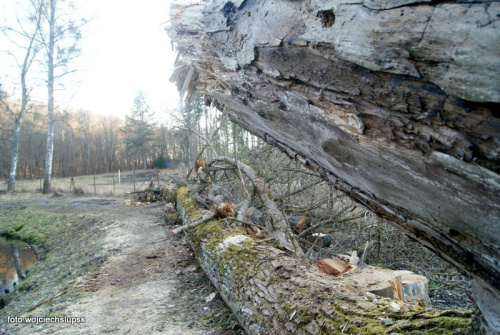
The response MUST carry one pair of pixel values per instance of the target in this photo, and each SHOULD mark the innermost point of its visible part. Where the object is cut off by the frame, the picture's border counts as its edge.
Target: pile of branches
(154, 194)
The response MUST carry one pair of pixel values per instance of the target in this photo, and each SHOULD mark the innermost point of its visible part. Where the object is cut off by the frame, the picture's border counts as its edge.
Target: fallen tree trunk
(393, 102)
(272, 292)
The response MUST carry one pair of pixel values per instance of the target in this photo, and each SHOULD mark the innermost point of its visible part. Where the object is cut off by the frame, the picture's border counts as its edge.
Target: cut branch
(194, 224)
(276, 223)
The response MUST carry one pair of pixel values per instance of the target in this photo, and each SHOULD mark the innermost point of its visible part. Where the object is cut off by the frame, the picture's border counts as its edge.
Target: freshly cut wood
(299, 223)
(333, 266)
(271, 291)
(225, 210)
(397, 288)
(377, 281)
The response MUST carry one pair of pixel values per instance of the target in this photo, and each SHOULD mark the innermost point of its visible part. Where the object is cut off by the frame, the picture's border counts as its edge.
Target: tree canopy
(138, 128)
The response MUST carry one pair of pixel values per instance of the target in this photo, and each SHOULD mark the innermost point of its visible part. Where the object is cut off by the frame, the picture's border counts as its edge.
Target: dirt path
(149, 284)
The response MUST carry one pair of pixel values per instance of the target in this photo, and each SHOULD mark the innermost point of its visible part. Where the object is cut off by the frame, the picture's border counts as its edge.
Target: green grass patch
(67, 241)
(31, 225)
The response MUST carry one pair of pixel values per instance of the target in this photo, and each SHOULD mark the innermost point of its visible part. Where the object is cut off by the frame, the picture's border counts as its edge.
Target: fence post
(119, 179)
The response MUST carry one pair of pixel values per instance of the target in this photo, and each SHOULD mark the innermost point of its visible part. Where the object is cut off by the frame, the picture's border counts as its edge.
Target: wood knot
(327, 18)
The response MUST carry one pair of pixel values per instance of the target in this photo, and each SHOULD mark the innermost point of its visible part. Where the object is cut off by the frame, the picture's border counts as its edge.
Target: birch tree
(60, 37)
(23, 38)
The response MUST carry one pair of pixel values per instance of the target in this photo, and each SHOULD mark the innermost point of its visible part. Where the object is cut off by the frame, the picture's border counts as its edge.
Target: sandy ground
(138, 289)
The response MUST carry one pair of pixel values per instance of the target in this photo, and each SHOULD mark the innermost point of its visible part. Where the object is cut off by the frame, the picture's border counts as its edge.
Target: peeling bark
(394, 102)
(272, 292)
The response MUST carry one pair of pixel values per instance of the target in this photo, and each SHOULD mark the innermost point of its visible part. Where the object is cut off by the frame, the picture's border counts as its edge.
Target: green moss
(30, 225)
(237, 264)
(211, 230)
(188, 205)
(172, 219)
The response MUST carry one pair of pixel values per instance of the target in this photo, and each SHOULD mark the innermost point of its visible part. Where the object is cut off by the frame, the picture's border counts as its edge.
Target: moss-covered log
(393, 102)
(272, 292)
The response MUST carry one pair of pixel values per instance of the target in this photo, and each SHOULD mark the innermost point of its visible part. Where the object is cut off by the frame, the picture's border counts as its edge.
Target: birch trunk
(31, 51)
(49, 149)
(14, 157)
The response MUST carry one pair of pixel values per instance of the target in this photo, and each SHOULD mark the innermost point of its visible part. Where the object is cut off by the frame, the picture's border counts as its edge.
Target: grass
(68, 245)
(85, 184)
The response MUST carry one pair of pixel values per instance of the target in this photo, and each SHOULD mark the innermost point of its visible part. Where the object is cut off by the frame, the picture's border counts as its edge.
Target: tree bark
(272, 292)
(49, 148)
(386, 100)
(31, 51)
(14, 157)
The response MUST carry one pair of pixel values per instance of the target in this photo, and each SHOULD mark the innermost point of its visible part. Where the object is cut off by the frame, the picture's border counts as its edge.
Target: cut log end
(333, 266)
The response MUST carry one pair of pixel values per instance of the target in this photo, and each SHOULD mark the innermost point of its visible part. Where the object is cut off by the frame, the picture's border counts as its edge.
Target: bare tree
(60, 41)
(24, 39)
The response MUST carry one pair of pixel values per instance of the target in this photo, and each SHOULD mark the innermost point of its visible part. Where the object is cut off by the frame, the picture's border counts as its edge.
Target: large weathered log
(271, 291)
(394, 102)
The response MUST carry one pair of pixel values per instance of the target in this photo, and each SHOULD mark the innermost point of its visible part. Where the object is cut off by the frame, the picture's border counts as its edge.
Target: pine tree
(139, 129)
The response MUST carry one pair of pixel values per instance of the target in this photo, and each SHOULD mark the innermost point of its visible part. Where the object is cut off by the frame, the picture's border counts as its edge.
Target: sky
(125, 49)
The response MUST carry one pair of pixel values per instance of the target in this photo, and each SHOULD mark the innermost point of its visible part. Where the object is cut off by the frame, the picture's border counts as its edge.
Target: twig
(48, 300)
(302, 171)
(177, 230)
(246, 223)
(313, 207)
(236, 160)
(319, 225)
(264, 240)
(364, 252)
(302, 189)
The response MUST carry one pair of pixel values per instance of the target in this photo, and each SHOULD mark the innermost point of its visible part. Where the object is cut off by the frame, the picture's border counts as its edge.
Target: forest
(85, 143)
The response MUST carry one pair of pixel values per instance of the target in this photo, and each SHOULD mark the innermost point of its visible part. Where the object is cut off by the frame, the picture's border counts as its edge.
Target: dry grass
(104, 185)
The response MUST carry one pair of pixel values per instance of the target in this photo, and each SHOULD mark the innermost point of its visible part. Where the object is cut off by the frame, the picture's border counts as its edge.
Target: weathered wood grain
(394, 102)
(271, 291)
